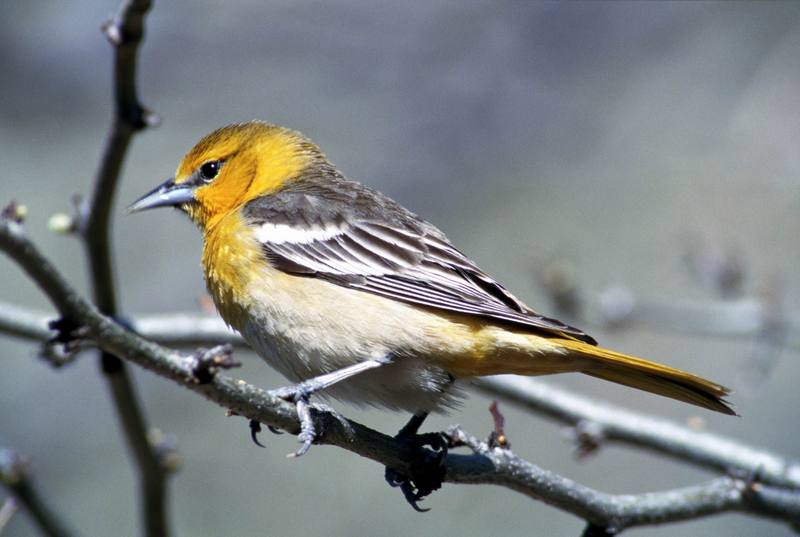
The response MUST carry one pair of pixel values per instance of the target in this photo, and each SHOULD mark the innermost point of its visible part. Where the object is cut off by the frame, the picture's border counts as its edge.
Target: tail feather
(650, 377)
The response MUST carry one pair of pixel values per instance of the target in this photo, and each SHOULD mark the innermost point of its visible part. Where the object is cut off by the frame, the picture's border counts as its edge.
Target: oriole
(340, 288)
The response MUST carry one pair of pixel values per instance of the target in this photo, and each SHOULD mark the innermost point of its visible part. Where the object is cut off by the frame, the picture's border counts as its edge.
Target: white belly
(316, 327)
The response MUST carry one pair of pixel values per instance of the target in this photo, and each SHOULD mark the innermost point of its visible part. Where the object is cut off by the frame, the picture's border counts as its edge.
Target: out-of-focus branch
(761, 318)
(7, 511)
(606, 422)
(485, 466)
(25, 323)
(14, 475)
(186, 330)
(618, 306)
(741, 318)
(603, 421)
(125, 33)
(176, 329)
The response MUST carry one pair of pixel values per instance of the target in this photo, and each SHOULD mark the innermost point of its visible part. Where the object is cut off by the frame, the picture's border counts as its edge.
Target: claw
(307, 431)
(412, 497)
(255, 428)
(300, 393)
(299, 396)
(396, 479)
(427, 470)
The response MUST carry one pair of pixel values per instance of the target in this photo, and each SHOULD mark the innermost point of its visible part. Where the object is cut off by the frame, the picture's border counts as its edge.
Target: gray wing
(358, 238)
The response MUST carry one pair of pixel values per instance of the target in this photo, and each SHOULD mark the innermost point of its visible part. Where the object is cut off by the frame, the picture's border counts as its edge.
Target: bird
(350, 295)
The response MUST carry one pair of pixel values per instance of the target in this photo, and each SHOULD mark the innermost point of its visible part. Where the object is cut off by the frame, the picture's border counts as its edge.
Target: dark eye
(210, 169)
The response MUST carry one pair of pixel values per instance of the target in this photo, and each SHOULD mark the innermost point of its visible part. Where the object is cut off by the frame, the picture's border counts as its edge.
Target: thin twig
(618, 306)
(743, 318)
(7, 511)
(176, 329)
(485, 465)
(14, 475)
(125, 33)
(25, 323)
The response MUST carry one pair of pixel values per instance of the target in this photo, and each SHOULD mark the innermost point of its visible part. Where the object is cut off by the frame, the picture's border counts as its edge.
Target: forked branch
(485, 465)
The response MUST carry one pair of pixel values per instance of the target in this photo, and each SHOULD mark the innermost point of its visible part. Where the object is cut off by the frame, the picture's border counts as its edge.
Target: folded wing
(376, 246)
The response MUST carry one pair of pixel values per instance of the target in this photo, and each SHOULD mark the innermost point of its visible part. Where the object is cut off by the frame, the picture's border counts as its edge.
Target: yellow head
(232, 166)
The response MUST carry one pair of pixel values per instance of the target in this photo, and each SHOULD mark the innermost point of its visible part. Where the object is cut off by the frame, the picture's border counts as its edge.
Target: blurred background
(617, 137)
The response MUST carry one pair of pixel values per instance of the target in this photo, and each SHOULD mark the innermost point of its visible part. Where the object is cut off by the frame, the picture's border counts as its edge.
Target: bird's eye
(210, 169)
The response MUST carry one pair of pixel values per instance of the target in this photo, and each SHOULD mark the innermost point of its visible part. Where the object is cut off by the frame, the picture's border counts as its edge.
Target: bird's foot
(426, 471)
(299, 395)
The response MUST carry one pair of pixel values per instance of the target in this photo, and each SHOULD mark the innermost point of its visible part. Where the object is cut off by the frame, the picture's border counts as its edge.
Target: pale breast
(306, 327)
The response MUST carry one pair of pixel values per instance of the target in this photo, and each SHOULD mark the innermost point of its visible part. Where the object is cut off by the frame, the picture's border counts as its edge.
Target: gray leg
(299, 394)
(315, 384)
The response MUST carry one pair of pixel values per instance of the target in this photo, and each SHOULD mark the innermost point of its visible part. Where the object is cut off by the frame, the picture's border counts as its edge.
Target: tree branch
(177, 329)
(609, 423)
(486, 465)
(25, 323)
(125, 33)
(14, 475)
(616, 512)
(762, 316)
(614, 423)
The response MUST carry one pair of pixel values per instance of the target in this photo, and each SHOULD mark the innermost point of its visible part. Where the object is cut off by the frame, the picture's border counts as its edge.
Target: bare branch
(743, 318)
(125, 33)
(618, 306)
(486, 465)
(615, 423)
(177, 329)
(14, 475)
(608, 422)
(7, 511)
(93, 222)
(24, 323)
(617, 512)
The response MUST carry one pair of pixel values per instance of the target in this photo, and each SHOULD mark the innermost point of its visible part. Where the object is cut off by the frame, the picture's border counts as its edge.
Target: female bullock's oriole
(340, 288)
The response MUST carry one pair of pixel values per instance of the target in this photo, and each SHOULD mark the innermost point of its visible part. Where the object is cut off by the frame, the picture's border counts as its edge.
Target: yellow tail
(650, 376)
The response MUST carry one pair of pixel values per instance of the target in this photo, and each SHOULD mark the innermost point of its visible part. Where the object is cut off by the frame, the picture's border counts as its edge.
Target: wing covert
(400, 256)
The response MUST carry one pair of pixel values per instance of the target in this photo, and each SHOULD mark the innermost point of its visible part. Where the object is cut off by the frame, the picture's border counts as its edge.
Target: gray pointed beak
(167, 194)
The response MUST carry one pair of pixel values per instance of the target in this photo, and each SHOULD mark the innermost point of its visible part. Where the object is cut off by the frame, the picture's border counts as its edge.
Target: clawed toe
(299, 395)
(427, 469)
(291, 394)
(307, 432)
(255, 428)
(411, 494)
